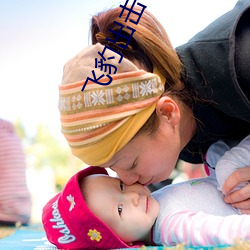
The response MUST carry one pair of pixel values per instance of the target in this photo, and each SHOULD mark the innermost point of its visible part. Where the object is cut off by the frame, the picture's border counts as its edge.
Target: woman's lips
(148, 183)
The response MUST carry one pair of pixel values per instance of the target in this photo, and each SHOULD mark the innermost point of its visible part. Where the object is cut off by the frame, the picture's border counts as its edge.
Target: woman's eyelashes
(121, 186)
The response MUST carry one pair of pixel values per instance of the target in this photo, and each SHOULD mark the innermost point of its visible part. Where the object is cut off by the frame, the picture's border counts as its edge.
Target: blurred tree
(20, 130)
(45, 150)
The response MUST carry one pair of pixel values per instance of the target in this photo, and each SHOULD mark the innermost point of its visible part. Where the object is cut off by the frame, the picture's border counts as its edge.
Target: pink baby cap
(69, 223)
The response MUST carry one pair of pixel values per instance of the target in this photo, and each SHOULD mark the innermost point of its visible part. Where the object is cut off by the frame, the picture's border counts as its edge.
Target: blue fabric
(33, 238)
(26, 239)
(186, 248)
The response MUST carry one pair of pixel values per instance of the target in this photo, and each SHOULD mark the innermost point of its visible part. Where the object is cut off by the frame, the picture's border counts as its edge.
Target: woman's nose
(126, 177)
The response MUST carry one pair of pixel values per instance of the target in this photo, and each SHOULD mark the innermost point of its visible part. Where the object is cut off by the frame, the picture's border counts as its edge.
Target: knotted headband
(100, 120)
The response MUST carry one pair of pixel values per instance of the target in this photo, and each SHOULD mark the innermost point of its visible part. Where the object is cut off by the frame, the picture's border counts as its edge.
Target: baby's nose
(133, 197)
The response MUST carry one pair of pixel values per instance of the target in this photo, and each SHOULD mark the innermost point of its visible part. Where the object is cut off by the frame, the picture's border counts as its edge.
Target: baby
(96, 211)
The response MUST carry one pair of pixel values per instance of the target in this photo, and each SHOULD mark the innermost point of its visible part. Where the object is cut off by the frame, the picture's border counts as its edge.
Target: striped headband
(100, 120)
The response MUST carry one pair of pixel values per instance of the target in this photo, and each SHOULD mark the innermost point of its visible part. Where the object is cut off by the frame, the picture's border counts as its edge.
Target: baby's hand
(240, 198)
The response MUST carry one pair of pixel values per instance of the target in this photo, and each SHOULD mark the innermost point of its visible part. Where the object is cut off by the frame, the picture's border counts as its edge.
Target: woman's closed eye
(121, 186)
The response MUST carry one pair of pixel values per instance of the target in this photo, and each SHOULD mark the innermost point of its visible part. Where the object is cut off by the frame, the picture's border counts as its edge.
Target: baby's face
(130, 211)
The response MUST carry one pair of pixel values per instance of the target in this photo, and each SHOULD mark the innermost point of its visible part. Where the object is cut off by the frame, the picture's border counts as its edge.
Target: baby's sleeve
(233, 159)
(214, 153)
(201, 229)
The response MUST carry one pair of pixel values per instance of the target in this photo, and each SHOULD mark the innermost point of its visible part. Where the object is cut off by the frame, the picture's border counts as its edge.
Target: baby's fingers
(237, 177)
(239, 198)
(245, 211)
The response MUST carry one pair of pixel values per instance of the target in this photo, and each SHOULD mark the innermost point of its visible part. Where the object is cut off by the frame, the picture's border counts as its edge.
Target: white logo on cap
(71, 201)
(67, 237)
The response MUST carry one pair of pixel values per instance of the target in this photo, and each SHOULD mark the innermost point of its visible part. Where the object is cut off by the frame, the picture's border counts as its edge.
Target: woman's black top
(217, 67)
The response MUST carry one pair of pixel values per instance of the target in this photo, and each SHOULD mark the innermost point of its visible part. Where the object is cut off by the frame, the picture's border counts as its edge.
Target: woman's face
(148, 159)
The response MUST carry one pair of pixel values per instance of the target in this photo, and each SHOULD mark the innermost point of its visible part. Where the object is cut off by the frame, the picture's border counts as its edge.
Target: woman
(162, 104)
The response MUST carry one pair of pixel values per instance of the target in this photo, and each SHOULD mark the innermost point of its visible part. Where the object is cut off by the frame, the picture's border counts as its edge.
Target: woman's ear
(168, 110)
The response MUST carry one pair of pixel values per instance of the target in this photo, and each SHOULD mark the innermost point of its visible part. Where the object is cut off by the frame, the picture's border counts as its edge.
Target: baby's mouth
(147, 202)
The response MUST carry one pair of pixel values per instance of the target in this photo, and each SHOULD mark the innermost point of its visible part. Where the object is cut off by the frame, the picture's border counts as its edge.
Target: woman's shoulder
(209, 65)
